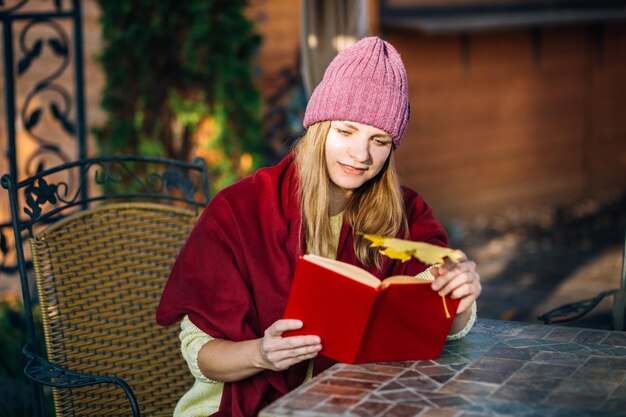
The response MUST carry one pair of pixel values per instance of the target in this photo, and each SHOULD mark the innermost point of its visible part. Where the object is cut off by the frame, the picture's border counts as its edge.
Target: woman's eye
(381, 142)
(343, 132)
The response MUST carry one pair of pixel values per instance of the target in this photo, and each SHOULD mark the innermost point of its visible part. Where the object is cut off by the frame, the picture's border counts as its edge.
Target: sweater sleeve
(191, 341)
(470, 323)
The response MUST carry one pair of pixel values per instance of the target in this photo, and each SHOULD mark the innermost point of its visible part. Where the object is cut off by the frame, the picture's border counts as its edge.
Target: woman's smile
(350, 169)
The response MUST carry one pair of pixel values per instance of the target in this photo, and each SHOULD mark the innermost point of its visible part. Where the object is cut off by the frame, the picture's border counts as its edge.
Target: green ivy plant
(179, 84)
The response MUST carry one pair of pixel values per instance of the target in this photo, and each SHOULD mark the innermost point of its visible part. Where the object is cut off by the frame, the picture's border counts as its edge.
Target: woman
(231, 280)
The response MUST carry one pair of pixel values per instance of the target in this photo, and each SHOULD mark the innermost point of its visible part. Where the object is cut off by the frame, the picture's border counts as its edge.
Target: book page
(403, 279)
(348, 270)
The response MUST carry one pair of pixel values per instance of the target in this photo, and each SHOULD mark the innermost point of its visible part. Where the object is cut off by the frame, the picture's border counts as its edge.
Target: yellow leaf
(393, 254)
(405, 249)
(376, 240)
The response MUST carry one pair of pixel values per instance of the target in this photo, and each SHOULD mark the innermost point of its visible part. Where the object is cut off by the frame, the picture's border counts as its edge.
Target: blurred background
(517, 136)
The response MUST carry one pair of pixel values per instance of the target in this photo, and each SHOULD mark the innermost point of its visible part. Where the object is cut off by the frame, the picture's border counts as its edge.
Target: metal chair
(99, 273)
(576, 310)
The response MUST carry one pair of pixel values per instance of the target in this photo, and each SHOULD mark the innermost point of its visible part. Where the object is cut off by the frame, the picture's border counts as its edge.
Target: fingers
(461, 282)
(460, 285)
(280, 326)
(449, 264)
(283, 359)
(464, 304)
(289, 343)
(280, 353)
(287, 363)
(462, 255)
(444, 276)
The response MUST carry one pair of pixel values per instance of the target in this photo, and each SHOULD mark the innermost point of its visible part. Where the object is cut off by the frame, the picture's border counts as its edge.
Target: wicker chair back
(99, 275)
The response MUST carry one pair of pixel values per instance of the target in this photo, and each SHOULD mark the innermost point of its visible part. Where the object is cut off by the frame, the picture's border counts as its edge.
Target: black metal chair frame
(47, 202)
(578, 309)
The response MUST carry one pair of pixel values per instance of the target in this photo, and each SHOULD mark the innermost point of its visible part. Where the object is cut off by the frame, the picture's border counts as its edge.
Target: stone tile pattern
(500, 368)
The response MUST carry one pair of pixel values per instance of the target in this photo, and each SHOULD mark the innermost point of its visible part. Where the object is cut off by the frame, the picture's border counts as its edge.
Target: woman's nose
(359, 149)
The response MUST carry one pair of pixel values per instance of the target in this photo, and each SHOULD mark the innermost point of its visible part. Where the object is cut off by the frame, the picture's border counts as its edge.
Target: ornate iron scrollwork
(41, 193)
(32, 30)
(30, 53)
(10, 9)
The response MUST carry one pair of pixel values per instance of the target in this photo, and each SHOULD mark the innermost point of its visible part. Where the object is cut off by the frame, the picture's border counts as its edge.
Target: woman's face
(355, 153)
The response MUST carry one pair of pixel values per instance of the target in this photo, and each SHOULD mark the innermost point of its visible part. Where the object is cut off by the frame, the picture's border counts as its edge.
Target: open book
(362, 319)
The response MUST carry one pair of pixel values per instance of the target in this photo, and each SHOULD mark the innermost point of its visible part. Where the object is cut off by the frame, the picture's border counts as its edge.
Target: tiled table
(501, 368)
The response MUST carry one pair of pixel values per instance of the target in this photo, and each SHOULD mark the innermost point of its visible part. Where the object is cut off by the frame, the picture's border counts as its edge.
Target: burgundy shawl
(232, 276)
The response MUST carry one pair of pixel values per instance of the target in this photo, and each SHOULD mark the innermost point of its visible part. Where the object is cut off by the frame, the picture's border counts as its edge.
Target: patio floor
(531, 262)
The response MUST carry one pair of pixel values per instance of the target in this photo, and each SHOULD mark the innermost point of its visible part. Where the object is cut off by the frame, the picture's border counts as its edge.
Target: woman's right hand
(279, 353)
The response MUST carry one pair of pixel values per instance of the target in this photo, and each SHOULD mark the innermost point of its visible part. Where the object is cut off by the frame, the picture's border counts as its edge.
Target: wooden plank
(607, 162)
(434, 58)
(478, 202)
(434, 125)
(502, 84)
(440, 3)
(564, 49)
(475, 147)
(513, 50)
(614, 45)
(500, 180)
(522, 168)
(440, 58)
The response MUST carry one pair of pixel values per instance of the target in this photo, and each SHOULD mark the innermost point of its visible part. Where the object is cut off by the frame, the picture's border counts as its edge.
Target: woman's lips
(352, 170)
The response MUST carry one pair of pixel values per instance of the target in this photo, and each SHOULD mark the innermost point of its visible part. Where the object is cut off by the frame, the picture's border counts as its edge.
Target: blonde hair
(377, 207)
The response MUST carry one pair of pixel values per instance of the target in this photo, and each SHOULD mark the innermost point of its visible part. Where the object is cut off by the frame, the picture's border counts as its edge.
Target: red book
(362, 319)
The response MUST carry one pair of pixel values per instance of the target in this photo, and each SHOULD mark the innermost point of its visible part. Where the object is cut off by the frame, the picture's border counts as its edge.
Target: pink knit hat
(365, 83)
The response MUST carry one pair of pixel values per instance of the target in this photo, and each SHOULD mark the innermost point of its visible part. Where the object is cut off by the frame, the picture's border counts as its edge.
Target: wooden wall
(516, 123)
(278, 22)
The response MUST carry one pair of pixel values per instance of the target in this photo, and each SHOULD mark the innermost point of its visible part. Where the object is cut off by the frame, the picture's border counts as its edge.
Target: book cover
(361, 319)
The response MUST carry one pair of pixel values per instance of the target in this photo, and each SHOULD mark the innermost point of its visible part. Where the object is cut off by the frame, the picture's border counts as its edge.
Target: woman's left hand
(459, 280)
